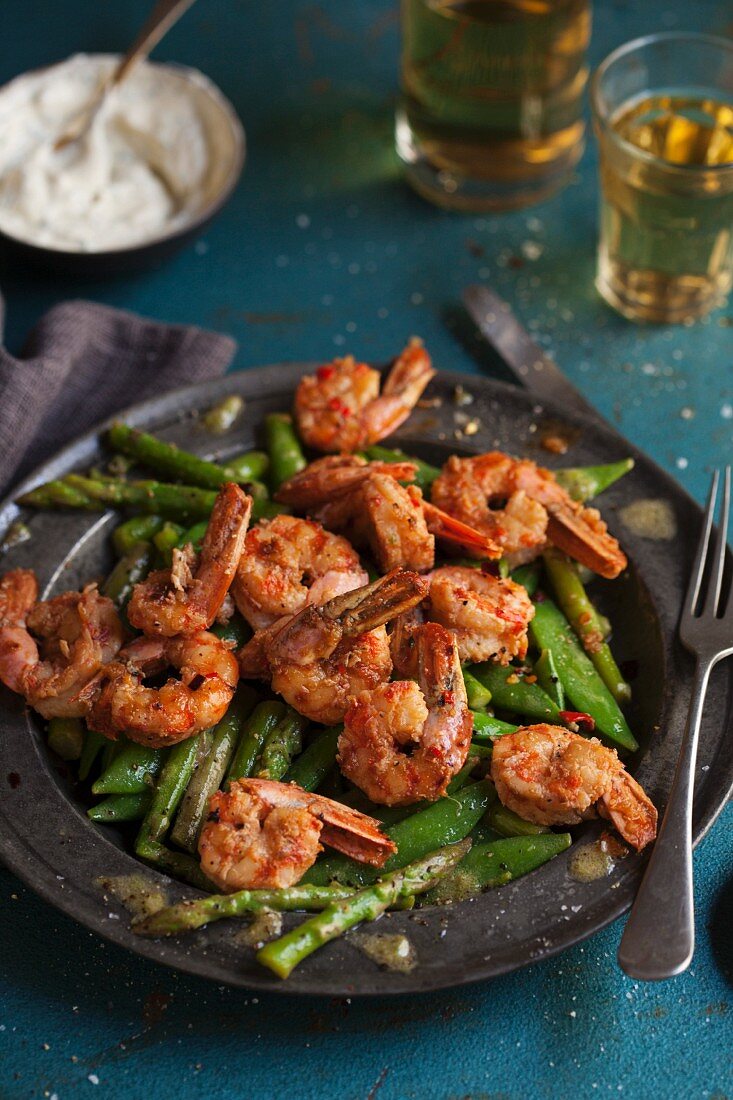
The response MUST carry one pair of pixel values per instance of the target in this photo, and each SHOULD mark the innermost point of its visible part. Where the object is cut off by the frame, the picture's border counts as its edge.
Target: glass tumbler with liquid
(663, 115)
(490, 116)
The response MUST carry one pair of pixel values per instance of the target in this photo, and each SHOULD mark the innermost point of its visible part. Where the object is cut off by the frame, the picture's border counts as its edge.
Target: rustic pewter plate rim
(42, 831)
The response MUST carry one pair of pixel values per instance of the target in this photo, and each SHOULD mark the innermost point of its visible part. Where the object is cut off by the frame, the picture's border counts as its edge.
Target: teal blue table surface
(321, 251)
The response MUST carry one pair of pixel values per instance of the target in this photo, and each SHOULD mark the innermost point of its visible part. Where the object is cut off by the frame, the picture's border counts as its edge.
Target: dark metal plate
(47, 840)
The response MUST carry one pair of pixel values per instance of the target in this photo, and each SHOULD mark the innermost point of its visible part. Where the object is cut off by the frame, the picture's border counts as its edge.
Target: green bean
(168, 793)
(548, 678)
(576, 606)
(583, 686)
(133, 531)
(131, 772)
(260, 723)
(444, 822)
(478, 695)
(488, 728)
(284, 954)
(507, 823)
(280, 745)
(426, 474)
(314, 763)
(93, 745)
(494, 862)
(210, 771)
(189, 915)
(133, 567)
(511, 691)
(283, 447)
(586, 482)
(66, 737)
(169, 460)
(120, 807)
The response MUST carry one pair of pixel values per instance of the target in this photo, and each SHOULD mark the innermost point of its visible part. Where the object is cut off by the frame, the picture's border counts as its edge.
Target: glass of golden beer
(490, 116)
(663, 116)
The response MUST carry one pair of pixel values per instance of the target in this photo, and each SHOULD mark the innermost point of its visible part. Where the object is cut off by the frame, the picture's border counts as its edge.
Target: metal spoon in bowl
(163, 16)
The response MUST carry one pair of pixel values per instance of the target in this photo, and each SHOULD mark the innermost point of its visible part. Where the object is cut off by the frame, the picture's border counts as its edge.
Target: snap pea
(426, 474)
(120, 807)
(493, 862)
(583, 686)
(66, 737)
(210, 771)
(248, 467)
(283, 447)
(178, 864)
(444, 822)
(488, 728)
(237, 630)
(586, 482)
(260, 723)
(134, 566)
(166, 798)
(507, 823)
(528, 576)
(280, 745)
(576, 606)
(510, 690)
(131, 772)
(477, 694)
(93, 744)
(135, 530)
(313, 765)
(548, 678)
(284, 954)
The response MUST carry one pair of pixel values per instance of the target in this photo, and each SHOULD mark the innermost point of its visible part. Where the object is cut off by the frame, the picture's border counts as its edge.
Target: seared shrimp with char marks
(488, 615)
(187, 597)
(49, 651)
(319, 659)
(521, 506)
(340, 408)
(367, 502)
(551, 776)
(121, 702)
(288, 562)
(265, 835)
(404, 741)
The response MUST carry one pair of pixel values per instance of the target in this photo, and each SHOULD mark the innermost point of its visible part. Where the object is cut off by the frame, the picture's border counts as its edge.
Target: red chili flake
(324, 373)
(579, 718)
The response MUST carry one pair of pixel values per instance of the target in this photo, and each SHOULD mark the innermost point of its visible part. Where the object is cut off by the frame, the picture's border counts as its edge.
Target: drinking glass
(490, 116)
(663, 116)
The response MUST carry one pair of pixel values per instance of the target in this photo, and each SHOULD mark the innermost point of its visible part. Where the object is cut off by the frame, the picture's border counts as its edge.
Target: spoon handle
(159, 22)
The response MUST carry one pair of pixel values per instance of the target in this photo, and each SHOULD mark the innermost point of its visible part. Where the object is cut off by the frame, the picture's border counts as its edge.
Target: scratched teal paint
(322, 250)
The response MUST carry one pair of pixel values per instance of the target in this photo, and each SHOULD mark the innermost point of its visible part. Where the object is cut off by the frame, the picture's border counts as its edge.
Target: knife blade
(529, 364)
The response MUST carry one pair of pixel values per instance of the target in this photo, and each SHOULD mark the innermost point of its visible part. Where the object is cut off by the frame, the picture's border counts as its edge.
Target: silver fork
(659, 938)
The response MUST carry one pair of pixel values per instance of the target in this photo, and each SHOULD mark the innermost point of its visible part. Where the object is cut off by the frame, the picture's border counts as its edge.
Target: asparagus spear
(189, 915)
(170, 461)
(284, 954)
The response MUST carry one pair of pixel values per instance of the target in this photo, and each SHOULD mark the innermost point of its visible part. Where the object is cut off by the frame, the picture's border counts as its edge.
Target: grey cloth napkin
(82, 363)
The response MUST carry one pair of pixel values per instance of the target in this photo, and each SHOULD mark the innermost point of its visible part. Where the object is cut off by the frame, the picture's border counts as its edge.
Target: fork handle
(659, 938)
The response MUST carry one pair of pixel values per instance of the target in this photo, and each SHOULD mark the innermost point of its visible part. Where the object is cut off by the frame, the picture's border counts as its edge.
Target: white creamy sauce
(157, 153)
